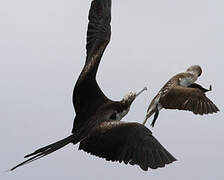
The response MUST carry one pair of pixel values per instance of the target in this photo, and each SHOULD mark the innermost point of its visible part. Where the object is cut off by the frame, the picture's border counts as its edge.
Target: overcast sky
(42, 51)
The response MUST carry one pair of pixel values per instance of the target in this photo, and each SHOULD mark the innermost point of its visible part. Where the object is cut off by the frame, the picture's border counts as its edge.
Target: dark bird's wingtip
(218, 110)
(174, 159)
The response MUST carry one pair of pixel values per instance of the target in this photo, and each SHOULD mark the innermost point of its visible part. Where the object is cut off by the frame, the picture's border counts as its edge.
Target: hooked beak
(144, 89)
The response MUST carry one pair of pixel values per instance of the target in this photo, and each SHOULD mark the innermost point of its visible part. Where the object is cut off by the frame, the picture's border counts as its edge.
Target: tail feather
(39, 153)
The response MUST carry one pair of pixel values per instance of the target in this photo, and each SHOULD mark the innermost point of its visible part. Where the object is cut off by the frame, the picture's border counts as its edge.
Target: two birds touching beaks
(97, 124)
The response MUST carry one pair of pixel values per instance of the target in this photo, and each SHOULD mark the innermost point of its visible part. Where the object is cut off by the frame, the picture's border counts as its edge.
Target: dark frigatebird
(97, 124)
(181, 92)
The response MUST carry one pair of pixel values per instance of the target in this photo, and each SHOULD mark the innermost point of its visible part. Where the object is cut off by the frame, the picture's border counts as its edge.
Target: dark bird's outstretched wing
(190, 99)
(87, 96)
(131, 143)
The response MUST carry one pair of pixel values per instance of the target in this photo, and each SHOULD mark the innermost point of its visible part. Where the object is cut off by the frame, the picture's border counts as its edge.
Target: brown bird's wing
(131, 143)
(197, 86)
(87, 95)
(190, 99)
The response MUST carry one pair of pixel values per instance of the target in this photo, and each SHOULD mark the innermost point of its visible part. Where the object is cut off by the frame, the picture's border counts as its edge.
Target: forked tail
(39, 153)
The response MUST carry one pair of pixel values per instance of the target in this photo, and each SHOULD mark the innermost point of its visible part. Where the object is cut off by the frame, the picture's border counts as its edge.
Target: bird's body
(181, 79)
(181, 92)
(97, 123)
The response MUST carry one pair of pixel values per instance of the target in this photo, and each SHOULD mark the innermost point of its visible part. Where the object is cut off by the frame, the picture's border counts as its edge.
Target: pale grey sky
(42, 45)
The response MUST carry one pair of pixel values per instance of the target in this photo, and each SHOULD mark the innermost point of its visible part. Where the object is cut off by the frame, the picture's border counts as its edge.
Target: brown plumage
(190, 99)
(96, 124)
(181, 93)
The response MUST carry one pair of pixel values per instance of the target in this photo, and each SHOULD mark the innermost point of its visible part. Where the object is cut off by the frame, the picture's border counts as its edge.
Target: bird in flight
(182, 93)
(97, 124)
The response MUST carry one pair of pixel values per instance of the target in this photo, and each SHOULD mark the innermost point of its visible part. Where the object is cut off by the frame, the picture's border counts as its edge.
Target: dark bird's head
(127, 101)
(116, 110)
(195, 69)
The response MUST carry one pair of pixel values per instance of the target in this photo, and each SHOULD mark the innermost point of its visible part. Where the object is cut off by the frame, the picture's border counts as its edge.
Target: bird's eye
(113, 116)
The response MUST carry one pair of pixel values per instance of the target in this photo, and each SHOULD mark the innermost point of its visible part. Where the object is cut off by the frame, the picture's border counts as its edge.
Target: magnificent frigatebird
(180, 92)
(97, 123)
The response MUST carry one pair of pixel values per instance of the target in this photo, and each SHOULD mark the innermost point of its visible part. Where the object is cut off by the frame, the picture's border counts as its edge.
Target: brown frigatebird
(97, 124)
(182, 93)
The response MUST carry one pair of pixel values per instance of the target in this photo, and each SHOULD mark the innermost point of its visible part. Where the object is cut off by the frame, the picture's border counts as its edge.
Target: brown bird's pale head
(195, 69)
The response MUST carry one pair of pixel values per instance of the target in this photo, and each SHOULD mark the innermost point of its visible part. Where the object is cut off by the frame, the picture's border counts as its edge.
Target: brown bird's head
(195, 69)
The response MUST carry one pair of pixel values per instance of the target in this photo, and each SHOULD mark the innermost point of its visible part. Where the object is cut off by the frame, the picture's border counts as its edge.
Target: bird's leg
(150, 112)
(155, 116)
(144, 89)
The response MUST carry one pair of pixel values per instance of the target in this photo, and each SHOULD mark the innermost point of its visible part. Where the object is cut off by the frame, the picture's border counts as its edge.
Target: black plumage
(96, 124)
(131, 143)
